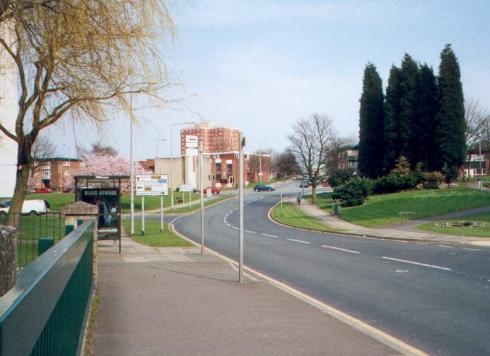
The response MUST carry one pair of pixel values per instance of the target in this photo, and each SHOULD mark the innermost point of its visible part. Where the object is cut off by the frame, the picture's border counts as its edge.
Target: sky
(260, 65)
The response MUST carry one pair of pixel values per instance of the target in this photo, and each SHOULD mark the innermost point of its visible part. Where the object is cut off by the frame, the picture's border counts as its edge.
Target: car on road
(263, 188)
(304, 185)
(43, 190)
(30, 207)
(214, 190)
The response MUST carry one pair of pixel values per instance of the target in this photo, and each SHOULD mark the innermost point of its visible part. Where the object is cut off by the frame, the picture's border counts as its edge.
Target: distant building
(476, 165)
(8, 110)
(55, 173)
(348, 158)
(214, 138)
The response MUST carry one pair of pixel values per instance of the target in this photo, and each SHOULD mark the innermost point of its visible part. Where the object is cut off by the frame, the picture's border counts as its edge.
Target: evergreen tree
(450, 129)
(428, 108)
(371, 124)
(392, 119)
(409, 102)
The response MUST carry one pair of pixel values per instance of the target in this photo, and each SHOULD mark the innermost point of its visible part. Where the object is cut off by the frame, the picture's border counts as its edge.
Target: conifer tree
(450, 129)
(371, 124)
(409, 120)
(428, 108)
(392, 119)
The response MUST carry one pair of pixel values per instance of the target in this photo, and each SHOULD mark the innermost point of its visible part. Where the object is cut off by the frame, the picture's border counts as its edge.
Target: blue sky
(261, 65)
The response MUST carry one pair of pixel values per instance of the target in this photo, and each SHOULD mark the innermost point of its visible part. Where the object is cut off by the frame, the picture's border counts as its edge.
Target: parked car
(214, 190)
(43, 190)
(304, 185)
(68, 190)
(263, 187)
(31, 207)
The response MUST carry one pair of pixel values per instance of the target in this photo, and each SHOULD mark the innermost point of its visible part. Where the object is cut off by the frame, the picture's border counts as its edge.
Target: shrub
(339, 177)
(432, 180)
(353, 192)
(394, 182)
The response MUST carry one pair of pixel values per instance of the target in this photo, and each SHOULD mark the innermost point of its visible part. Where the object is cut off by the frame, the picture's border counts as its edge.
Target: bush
(353, 192)
(394, 182)
(432, 180)
(339, 177)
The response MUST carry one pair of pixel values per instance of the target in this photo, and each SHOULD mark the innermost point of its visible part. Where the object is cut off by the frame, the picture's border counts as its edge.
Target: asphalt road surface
(434, 297)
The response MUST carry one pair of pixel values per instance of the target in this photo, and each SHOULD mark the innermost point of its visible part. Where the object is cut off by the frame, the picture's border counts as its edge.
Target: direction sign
(191, 141)
(151, 185)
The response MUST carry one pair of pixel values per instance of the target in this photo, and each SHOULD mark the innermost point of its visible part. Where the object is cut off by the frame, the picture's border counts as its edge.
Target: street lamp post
(241, 227)
(131, 165)
(171, 180)
(161, 196)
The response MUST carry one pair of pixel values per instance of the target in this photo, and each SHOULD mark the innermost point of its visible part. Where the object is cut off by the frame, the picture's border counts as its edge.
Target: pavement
(398, 232)
(173, 301)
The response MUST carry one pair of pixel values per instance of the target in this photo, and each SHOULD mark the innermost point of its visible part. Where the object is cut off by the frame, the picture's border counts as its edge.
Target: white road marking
(250, 232)
(340, 249)
(269, 235)
(299, 241)
(235, 268)
(401, 271)
(445, 246)
(234, 227)
(471, 249)
(416, 263)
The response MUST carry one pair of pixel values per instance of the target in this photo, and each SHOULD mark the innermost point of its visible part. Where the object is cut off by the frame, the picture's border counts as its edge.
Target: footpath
(173, 301)
(394, 232)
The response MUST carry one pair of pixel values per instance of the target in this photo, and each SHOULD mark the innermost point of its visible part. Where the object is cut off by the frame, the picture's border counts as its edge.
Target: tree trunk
(22, 177)
(313, 194)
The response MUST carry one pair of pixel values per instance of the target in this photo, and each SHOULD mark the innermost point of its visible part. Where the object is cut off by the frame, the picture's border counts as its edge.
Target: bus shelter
(105, 192)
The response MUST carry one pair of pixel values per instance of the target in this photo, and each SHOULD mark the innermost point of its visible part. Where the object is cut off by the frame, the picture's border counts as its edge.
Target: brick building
(214, 138)
(348, 158)
(55, 173)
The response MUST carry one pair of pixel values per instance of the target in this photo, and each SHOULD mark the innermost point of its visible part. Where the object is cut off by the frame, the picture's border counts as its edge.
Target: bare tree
(79, 58)
(285, 164)
(477, 126)
(311, 142)
(43, 147)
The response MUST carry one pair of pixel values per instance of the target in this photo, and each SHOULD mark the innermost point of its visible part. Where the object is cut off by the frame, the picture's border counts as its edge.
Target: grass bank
(153, 236)
(292, 216)
(477, 231)
(385, 209)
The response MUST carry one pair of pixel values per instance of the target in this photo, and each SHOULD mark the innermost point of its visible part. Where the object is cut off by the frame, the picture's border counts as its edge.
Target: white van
(32, 207)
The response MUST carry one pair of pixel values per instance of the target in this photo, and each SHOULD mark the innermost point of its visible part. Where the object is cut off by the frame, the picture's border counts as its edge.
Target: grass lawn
(153, 236)
(196, 206)
(481, 231)
(384, 209)
(323, 200)
(154, 202)
(293, 216)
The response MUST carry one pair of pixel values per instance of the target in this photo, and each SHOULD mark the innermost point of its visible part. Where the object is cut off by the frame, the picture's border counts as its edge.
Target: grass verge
(385, 209)
(197, 206)
(477, 231)
(293, 216)
(323, 200)
(153, 236)
(92, 327)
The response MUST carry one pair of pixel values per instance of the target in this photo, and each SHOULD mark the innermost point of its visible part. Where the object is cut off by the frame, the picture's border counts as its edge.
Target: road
(434, 297)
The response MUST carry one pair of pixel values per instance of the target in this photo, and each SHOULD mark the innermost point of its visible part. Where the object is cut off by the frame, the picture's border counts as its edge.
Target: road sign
(191, 152)
(191, 141)
(186, 188)
(151, 185)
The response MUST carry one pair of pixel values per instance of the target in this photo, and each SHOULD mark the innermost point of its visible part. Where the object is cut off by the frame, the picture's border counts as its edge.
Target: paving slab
(195, 306)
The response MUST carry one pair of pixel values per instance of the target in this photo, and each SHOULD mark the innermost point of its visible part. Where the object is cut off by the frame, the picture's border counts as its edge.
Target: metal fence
(35, 234)
(46, 311)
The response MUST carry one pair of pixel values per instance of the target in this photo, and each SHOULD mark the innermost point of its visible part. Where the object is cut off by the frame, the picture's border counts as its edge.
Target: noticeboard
(150, 185)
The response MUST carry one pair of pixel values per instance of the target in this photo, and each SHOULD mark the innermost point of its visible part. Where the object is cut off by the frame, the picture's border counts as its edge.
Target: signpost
(151, 185)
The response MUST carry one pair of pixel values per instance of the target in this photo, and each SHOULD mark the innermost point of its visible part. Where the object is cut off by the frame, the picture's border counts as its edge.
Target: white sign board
(186, 188)
(191, 152)
(151, 185)
(191, 142)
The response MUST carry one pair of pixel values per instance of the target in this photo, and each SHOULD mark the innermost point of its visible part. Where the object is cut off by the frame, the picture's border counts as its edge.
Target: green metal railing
(44, 313)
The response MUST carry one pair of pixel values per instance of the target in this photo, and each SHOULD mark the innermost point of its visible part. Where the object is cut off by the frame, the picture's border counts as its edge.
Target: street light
(156, 151)
(161, 197)
(172, 159)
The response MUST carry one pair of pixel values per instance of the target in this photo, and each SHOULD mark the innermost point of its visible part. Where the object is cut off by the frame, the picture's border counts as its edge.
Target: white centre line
(340, 249)
(471, 249)
(445, 246)
(269, 235)
(250, 232)
(416, 263)
(299, 241)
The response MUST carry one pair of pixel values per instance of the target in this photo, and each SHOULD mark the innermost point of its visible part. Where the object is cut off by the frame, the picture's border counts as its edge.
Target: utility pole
(201, 186)
(240, 190)
(131, 164)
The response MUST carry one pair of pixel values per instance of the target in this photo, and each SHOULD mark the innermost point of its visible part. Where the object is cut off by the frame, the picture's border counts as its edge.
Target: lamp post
(161, 196)
(240, 205)
(131, 164)
(172, 160)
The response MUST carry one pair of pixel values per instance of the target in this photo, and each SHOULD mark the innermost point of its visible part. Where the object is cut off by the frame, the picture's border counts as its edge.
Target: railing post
(8, 262)
(77, 213)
